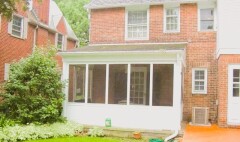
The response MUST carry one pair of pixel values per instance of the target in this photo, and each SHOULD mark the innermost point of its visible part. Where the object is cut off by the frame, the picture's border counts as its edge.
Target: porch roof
(128, 48)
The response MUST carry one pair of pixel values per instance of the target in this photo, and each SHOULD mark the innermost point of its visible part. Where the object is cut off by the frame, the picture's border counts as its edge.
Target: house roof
(55, 16)
(128, 47)
(97, 4)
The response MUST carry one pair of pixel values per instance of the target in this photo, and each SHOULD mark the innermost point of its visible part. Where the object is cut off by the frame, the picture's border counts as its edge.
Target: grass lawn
(89, 139)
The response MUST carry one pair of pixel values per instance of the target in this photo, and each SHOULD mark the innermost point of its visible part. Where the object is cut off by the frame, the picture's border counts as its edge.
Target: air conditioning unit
(200, 116)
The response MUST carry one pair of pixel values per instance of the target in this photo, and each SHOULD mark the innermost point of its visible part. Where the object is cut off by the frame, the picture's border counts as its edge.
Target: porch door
(234, 95)
(138, 86)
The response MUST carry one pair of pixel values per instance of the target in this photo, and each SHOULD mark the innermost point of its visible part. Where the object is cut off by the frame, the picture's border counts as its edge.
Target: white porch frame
(126, 116)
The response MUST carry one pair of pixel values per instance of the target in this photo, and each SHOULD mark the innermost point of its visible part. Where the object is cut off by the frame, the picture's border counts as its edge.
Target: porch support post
(128, 83)
(177, 91)
(65, 76)
(86, 83)
(151, 85)
(107, 80)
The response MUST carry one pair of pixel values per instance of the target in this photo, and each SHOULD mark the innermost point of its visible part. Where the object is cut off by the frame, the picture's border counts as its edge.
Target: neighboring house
(42, 24)
(154, 63)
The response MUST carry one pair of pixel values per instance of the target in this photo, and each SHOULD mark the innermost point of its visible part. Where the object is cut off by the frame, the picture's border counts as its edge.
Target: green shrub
(33, 93)
(4, 121)
(33, 131)
(96, 132)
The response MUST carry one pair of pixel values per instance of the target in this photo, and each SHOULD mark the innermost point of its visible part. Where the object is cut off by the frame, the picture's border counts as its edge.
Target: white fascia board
(150, 3)
(227, 51)
(120, 52)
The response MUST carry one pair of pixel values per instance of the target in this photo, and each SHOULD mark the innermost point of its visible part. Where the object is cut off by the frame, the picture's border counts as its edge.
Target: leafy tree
(8, 7)
(33, 92)
(77, 17)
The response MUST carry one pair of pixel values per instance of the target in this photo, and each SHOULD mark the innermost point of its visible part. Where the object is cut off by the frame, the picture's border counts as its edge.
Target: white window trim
(165, 21)
(63, 37)
(207, 6)
(0, 22)
(205, 81)
(6, 71)
(126, 22)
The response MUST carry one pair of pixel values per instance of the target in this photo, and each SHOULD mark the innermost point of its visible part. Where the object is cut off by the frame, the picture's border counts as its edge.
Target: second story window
(206, 19)
(137, 25)
(17, 26)
(172, 20)
(60, 41)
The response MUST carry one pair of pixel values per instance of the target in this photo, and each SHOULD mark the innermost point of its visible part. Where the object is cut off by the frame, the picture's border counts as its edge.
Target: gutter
(118, 52)
(42, 25)
(171, 136)
(34, 38)
(88, 6)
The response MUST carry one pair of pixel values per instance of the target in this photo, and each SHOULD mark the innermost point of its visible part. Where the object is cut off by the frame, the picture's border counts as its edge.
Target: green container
(108, 122)
(155, 140)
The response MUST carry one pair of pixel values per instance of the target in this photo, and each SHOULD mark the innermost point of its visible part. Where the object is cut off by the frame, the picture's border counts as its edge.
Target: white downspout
(171, 136)
(35, 38)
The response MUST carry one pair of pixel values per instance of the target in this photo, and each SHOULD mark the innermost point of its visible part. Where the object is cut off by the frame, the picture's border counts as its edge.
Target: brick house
(42, 24)
(151, 64)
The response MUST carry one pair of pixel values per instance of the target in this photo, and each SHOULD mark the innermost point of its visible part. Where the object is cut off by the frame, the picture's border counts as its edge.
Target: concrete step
(122, 132)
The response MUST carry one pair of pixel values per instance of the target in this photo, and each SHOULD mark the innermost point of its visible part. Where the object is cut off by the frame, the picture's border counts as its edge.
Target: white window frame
(6, 71)
(22, 26)
(166, 7)
(207, 5)
(142, 8)
(0, 22)
(62, 41)
(205, 81)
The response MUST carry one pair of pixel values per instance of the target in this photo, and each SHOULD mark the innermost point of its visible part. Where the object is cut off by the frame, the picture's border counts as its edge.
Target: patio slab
(210, 134)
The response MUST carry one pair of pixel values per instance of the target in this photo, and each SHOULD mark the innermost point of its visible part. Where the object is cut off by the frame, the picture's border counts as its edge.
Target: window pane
(172, 19)
(236, 73)
(139, 86)
(236, 82)
(60, 41)
(207, 25)
(235, 92)
(162, 85)
(77, 83)
(137, 24)
(17, 26)
(207, 14)
(97, 83)
(117, 91)
(207, 19)
(199, 74)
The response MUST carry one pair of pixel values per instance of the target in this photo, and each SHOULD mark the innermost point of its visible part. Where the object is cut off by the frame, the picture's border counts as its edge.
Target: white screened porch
(137, 89)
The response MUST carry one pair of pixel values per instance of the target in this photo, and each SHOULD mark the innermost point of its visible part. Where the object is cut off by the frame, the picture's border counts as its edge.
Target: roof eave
(70, 54)
(89, 7)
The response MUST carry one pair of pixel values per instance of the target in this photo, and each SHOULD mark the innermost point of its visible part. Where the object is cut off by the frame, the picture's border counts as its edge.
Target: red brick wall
(51, 38)
(71, 44)
(108, 26)
(13, 48)
(223, 62)
(42, 9)
(42, 37)
(61, 27)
